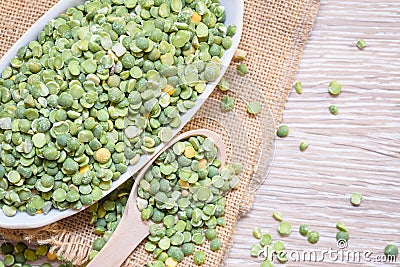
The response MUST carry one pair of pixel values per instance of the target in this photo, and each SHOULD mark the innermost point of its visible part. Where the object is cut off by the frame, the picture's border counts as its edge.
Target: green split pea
(335, 88)
(298, 87)
(313, 237)
(333, 109)
(303, 146)
(356, 199)
(227, 103)
(282, 131)
(285, 228)
(254, 107)
(242, 69)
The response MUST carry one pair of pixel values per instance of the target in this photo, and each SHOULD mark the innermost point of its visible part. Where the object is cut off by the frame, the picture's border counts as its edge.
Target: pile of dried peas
(265, 250)
(22, 255)
(104, 83)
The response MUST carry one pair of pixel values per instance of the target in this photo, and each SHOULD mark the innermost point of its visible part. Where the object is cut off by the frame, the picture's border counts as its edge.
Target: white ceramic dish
(234, 15)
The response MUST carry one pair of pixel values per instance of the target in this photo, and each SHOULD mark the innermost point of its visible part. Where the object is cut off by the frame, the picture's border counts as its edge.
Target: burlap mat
(274, 35)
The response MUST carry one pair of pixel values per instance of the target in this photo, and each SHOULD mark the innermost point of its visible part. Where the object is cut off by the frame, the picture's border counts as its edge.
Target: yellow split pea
(196, 17)
(203, 164)
(84, 169)
(183, 184)
(102, 155)
(189, 152)
(169, 89)
(51, 256)
(185, 193)
(170, 262)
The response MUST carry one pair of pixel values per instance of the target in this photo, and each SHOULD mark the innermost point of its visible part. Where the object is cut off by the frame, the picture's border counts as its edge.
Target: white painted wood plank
(357, 150)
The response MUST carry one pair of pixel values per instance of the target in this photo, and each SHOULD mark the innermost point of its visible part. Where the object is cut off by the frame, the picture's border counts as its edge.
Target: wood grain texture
(356, 151)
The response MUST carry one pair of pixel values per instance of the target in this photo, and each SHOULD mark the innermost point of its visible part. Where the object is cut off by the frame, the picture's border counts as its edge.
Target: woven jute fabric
(274, 35)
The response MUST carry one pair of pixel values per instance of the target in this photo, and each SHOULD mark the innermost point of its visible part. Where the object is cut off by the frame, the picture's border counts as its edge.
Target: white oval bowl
(234, 15)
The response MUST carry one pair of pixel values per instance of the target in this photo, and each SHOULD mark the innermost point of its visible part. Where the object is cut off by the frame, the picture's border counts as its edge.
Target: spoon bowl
(131, 229)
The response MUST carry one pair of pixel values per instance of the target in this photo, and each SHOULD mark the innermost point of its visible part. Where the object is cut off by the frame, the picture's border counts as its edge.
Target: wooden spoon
(131, 229)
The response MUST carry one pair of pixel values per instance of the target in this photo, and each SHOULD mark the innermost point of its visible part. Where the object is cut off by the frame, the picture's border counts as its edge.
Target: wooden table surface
(357, 150)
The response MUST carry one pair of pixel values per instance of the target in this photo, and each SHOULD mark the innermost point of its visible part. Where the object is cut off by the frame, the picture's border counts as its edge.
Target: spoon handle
(129, 234)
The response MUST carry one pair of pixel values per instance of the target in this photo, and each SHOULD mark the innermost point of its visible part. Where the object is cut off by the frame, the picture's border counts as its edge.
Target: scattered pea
(335, 88)
(298, 87)
(361, 44)
(199, 257)
(223, 85)
(342, 235)
(282, 131)
(303, 146)
(198, 238)
(239, 55)
(303, 229)
(356, 199)
(254, 107)
(391, 250)
(333, 109)
(266, 263)
(279, 245)
(341, 226)
(277, 216)
(313, 237)
(39, 140)
(215, 244)
(257, 232)
(281, 256)
(227, 103)
(242, 69)
(266, 240)
(188, 249)
(255, 250)
(211, 234)
(285, 228)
